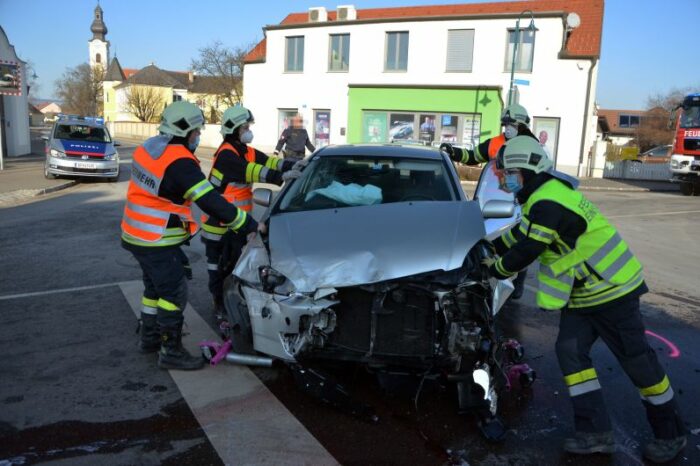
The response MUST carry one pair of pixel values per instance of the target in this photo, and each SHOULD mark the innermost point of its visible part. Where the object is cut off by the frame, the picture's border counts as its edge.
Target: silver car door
(487, 190)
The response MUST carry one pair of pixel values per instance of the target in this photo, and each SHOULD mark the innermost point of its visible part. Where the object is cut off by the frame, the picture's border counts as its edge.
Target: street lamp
(531, 27)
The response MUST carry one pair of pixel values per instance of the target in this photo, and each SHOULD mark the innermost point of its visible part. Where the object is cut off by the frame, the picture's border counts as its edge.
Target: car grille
(87, 170)
(77, 155)
(691, 144)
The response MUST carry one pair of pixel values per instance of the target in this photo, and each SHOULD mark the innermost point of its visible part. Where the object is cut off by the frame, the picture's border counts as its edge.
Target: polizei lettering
(142, 177)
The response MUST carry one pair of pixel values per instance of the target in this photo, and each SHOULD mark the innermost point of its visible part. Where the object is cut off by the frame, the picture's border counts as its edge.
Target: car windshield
(81, 133)
(333, 182)
(690, 117)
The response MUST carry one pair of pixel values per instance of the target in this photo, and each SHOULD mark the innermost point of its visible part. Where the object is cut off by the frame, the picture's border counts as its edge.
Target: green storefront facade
(463, 115)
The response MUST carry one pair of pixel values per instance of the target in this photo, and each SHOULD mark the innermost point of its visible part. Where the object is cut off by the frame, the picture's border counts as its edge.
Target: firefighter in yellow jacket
(237, 165)
(589, 273)
(165, 180)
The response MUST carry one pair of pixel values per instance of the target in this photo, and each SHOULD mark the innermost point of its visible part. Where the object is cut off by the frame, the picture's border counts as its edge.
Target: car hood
(361, 245)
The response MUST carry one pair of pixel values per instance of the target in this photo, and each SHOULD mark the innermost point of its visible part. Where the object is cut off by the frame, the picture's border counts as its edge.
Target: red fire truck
(685, 161)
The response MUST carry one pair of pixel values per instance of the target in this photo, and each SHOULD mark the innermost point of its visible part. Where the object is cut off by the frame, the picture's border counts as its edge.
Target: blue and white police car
(81, 146)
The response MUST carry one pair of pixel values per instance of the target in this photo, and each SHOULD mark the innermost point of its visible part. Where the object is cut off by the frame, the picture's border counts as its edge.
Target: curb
(58, 187)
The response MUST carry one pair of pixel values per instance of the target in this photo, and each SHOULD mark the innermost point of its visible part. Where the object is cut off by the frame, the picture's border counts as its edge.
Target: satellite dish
(573, 21)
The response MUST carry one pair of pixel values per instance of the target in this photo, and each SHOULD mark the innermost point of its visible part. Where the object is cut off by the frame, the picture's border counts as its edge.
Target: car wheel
(47, 175)
(686, 188)
(696, 189)
(238, 318)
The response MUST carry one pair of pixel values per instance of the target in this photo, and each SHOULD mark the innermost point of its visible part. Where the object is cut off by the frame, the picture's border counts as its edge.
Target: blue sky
(649, 46)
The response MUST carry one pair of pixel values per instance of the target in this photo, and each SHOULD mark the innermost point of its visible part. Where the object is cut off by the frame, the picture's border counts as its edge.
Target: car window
(334, 182)
(659, 152)
(81, 133)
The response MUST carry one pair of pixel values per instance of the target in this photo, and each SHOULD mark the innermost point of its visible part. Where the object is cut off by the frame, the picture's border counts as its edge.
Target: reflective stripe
(618, 263)
(214, 229)
(240, 220)
(215, 181)
(263, 174)
(145, 179)
(149, 310)
(161, 242)
(501, 270)
(149, 302)
(271, 162)
(553, 292)
(144, 226)
(217, 174)
(167, 305)
(211, 236)
(605, 249)
(509, 238)
(213, 267)
(656, 389)
(252, 172)
(537, 233)
(139, 209)
(585, 387)
(580, 377)
(606, 296)
(198, 190)
(658, 400)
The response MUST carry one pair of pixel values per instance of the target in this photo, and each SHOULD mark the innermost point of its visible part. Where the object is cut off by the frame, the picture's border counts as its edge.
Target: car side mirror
(116, 144)
(262, 197)
(498, 209)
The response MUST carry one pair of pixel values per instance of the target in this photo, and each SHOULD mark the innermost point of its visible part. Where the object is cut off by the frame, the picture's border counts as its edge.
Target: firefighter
(165, 180)
(235, 168)
(515, 121)
(589, 272)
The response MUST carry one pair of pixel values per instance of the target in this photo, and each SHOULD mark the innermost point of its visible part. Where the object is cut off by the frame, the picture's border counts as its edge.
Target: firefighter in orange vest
(515, 121)
(235, 168)
(165, 180)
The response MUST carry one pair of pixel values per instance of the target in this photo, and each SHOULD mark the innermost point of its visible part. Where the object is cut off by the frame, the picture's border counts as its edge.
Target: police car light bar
(87, 119)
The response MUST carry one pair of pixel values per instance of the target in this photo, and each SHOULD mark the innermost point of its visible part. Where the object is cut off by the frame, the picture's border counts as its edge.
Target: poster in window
(374, 127)
(471, 130)
(448, 129)
(427, 128)
(322, 128)
(401, 126)
(10, 78)
(547, 132)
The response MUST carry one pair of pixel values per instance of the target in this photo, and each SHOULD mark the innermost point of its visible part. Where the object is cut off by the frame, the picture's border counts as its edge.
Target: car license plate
(85, 165)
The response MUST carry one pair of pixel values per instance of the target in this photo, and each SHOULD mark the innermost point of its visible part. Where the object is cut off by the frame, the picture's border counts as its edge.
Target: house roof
(584, 41)
(34, 110)
(612, 118)
(209, 85)
(151, 75)
(114, 71)
(129, 71)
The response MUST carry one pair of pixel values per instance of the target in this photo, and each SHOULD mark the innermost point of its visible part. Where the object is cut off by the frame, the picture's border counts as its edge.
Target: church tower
(99, 46)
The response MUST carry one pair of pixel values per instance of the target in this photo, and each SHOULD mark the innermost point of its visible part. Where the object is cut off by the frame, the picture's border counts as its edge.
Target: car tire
(238, 318)
(47, 175)
(687, 188)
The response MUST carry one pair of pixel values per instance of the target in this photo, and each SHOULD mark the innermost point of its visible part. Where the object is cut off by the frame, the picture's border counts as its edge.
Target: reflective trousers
(164, 281)
(221, 259)
(622, 330)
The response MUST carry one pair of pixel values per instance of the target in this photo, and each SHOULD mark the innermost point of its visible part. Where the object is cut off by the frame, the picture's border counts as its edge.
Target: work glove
(455, 153)
(300, 164)
(489, 261)
(291, 175)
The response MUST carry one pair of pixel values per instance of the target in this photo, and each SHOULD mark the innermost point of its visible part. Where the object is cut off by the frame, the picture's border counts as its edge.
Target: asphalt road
(75, 391)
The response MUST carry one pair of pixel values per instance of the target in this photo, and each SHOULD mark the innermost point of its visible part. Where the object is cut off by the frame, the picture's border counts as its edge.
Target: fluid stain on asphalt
(70, 439)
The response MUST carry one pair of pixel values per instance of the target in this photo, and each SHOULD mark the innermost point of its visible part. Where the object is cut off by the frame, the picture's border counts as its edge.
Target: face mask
(193, 145)
(512, 184)
(247, 137)
(511, 131)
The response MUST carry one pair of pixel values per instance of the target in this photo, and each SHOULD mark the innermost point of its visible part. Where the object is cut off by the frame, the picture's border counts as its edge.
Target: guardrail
(633, 170)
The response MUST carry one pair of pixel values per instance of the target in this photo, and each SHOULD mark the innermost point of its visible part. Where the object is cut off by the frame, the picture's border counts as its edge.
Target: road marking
(243, 420)
(654, 214)
(62, 290)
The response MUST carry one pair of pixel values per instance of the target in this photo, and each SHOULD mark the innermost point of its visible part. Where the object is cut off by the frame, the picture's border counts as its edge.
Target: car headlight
(57, 153)
(113, 156)
(271, 279)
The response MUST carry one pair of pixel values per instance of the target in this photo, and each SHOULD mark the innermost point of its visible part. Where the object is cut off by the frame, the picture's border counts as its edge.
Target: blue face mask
(512, 183)
(193, 145)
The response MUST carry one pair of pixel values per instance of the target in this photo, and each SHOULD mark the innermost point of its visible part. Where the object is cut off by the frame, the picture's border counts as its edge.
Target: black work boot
(664, 450)
(172, 354)
(586, 443)
(150, 336)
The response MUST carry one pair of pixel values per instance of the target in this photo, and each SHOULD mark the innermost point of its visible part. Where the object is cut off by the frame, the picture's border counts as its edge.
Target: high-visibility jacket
(146, 214)
(601, 263)
(238, 194)
(495, 145)
(485, 151)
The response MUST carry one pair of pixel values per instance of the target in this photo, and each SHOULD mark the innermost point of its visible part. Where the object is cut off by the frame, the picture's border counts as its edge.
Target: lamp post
(531, 27)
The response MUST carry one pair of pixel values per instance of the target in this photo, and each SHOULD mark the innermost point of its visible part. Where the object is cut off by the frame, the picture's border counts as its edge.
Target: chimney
(190, 76)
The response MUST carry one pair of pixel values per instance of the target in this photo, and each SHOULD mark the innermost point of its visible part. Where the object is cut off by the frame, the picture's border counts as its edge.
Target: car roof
(381, 150)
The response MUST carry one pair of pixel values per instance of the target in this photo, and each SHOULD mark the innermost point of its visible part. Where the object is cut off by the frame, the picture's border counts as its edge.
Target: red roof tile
(584, 41)
(129, 71)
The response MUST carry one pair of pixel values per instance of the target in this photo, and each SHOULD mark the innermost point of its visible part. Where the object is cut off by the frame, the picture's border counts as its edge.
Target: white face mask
(510, 131)
(247, 137)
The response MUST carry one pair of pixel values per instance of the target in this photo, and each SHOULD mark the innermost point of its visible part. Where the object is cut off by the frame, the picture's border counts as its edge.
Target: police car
(81, 146)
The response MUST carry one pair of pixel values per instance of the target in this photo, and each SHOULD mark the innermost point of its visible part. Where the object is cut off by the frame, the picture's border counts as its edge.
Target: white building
(438, 73)
(14, 104)
(98, 45)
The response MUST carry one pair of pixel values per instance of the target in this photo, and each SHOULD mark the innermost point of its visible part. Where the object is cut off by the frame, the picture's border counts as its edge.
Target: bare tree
(655, 127)
(80, 88)
(225, 67)
(145, 103)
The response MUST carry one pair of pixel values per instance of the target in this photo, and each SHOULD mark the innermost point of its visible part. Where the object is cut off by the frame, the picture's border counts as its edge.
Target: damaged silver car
(374, 256)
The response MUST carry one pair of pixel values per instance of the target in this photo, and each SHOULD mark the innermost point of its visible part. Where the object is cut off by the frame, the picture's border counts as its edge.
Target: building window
(295, 54)
(107, 96)
(339, 52)
(396, 51)
(525, 53)
(629, 121)
(98, 58)
(177, 98)
(460, 50)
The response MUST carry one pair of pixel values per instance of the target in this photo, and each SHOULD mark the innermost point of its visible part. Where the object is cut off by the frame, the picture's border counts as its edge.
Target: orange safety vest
(146, 214)
(495, 145)
(238, 194)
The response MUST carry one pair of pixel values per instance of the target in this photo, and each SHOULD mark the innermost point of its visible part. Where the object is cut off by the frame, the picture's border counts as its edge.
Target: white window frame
(519, 58)
(452, 52)
(343, 37)
(396, 52)
(298, 60)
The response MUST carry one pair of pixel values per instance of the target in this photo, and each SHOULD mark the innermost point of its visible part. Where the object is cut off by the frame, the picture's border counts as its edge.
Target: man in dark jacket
(294, 139)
